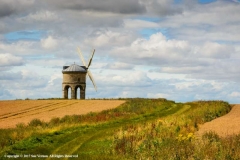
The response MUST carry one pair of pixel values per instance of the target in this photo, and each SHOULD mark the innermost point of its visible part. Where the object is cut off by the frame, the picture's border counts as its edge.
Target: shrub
(36, 122)
(20, 125)
(54, 121)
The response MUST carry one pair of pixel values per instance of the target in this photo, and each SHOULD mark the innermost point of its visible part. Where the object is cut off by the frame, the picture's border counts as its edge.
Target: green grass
(138, 129)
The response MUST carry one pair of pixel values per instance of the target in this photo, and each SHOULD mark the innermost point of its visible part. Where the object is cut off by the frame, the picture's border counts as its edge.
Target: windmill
(87, 67)
(74, 77)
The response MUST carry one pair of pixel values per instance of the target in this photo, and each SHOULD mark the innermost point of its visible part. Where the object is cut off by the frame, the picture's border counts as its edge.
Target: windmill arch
(66, 91)
(81, 91)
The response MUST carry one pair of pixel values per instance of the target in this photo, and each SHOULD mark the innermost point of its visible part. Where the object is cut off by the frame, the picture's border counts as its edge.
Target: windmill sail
(81, 56)
(91, 78)
(90, 60)
(87, 67)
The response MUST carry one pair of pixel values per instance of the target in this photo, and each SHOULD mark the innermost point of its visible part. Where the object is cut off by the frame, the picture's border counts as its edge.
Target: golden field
(224, 126)
(23, 111)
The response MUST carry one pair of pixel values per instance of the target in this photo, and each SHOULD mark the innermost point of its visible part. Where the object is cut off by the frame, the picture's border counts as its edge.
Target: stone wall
(74, 80)
(74, 77)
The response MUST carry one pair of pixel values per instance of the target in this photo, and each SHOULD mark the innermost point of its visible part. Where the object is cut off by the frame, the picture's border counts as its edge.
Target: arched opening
(78, 92)
(67, 92)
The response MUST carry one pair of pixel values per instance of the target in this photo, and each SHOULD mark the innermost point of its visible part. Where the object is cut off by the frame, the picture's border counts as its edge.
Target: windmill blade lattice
(81, 56)
(87, 67)
(91, 78)
(90, 60)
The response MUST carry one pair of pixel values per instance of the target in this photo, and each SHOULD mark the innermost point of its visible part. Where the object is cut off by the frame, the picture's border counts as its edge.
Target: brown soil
(23, 111)
(224, 126)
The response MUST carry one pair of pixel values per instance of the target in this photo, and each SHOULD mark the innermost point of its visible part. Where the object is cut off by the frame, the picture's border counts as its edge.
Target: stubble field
(224, 126)
(23, 111)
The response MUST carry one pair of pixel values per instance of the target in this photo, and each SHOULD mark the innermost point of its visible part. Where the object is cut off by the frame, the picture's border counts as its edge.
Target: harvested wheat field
(23, 111)
(224, 126)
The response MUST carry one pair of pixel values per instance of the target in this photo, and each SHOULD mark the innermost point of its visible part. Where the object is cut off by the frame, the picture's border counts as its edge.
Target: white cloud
(50, 62)
(10, 76)
(53, 78)
(119, 66)
(155, 50)
(40, 16)
(159, 95)
(209, 60)
(20, 47)
(136, 23)
(7, 59)
(235, 94)
(49, 43)
(217, 21)
(108, 38)
(215, 50)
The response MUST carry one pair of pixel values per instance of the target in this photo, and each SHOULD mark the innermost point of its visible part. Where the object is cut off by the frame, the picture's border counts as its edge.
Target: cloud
(40, 16)
(107, 38)
(21, 47)
(212, 22)
(136, 23)
(162, 7)
(123, 7)
(7, 59)
(50, 62)
(10, 76)
(235, 94)
(97, 6)
(154, 51)
(237, 1)
(119, 66)
(24, 84)
(209, 60)
(134, 79)
(49, 43)
(215, 50)
(4, 94)
(191, 51)
(9, 7)
(54, 78)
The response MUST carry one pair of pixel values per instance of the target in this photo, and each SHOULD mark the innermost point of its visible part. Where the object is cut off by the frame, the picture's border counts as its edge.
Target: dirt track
(22, 111)
(224, 126)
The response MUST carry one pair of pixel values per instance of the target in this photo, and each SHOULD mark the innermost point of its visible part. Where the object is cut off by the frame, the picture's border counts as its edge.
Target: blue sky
(24, 35)
(179, 49)
(206, 1)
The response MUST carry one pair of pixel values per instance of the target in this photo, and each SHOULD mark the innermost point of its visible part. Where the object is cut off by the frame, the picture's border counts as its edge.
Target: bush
(20, 125)
(36, 122)
(54, 121)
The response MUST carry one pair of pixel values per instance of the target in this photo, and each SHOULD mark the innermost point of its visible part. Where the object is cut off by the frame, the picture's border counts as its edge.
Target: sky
(182, 50)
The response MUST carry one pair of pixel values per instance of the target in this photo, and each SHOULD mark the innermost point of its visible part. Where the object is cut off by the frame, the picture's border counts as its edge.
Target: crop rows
(19, 111)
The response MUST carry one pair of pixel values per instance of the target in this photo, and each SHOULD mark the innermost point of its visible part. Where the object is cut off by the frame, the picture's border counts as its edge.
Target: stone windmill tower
(74, 77)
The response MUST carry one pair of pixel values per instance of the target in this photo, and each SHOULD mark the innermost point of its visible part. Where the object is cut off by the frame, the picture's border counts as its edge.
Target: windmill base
(73, 89)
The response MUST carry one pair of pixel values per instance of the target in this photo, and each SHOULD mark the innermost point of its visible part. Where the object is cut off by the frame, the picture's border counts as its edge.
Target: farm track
(72, 145)
(82, 140)
(14, 112)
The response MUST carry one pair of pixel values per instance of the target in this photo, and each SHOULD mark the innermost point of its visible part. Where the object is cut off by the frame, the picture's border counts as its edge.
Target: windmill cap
(75, 68)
